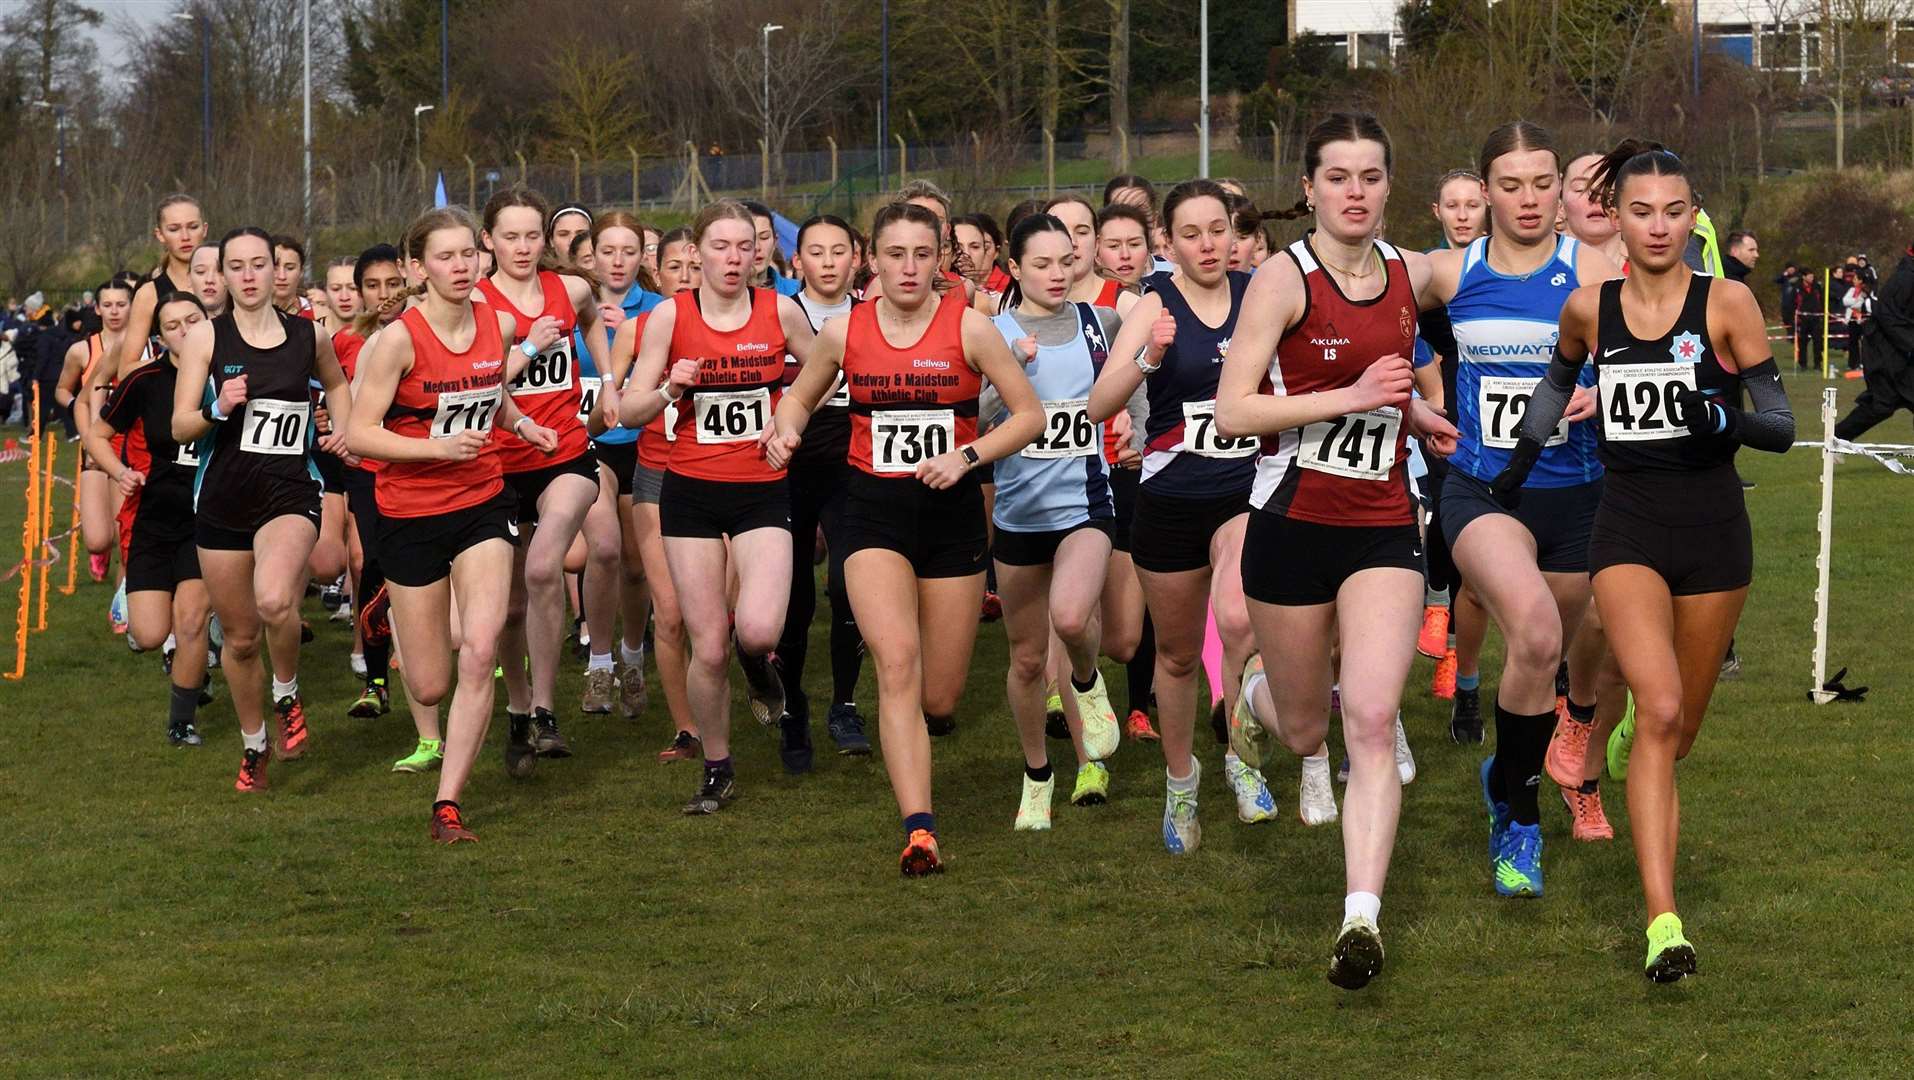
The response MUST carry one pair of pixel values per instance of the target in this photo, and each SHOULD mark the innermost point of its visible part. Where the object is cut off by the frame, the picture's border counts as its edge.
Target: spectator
(1789, 282)
(1857, 304)
(1867, 271)
(1742, 254)
(49, 357)
(1887, 354)
(1808, 322)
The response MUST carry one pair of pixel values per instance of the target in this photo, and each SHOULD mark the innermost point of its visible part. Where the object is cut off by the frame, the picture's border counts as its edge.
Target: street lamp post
(59, 154)
(765, 32)
(205, 90)
(418, 141)
(305, 24)
(1203, 85)
(884, 95)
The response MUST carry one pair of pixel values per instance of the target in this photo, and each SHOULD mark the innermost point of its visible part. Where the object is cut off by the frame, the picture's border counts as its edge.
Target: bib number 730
(901, 439)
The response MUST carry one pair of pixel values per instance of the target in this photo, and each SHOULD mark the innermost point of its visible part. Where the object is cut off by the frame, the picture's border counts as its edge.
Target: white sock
(1366, 904)
(1248, 693)
(1320, 757)
(632, 657)
(1187, 784)
(1435, 597)
(255, 741)
(599, 662)
(172, 643)
(285, 689)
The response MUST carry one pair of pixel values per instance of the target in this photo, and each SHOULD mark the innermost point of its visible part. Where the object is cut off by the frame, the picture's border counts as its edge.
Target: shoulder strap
(1305, 258)
(1611, 328)
(1477, 250)
(1092, 334)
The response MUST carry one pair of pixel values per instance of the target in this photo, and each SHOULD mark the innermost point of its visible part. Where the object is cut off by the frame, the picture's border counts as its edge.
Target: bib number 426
(1639, 401)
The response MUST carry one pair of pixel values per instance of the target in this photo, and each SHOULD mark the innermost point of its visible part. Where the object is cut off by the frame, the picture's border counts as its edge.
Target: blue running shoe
(1518, 872)
(1498, 813)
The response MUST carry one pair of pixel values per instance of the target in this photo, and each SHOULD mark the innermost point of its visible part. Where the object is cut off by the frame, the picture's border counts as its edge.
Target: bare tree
(592, 109)
(50, 35)
(808, 69)
(1119, 78)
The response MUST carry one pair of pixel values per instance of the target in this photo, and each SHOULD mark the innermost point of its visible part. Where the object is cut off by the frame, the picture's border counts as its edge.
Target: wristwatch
(970, 456)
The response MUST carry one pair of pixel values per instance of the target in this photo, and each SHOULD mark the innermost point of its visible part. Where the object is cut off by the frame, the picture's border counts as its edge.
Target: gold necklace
(1352, 275)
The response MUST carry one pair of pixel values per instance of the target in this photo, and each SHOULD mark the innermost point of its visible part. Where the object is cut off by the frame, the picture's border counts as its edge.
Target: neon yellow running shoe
(1620, 742)
(423, 759)
(1100, 731)
(1033, 813)
(1093, 784)
(1670, 957)
(1247, 736)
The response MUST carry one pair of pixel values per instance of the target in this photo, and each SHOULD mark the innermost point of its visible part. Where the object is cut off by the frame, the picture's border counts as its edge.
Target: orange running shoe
(1443, 685)
(96, 566)
(448, 827)
(292, 727)
(684, 746)
(1137, 726)
(1566, 749)
(252, 771)
(920, 855)
(1585, 809)
(1434, 639)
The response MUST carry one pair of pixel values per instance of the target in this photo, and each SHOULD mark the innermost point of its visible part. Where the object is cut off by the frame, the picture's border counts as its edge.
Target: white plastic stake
(1825, 525)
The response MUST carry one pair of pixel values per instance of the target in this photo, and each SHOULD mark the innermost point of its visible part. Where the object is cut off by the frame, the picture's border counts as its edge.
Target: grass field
(158, 924)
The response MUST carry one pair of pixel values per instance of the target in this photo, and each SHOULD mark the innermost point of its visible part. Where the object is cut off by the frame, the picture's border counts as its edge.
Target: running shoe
(252, 770)
(1055, 724)
(215, 642)
(96, 566)
(1433, 641)
(1590, 824)
(1358, 955)
(1621, 741)
(718, 788)
(763, 686)
(1465, 717)
(358, 665)
(846, 728)
(116, 610)
(1670, 957)
(1316, 802)
(1093, 785)
(334, 594)
(166, 653)
(939, 726)
(342, 613)
(1254, 803)
(545, 737)
(794, 743)
(375, 700)
(520, 756)
(305, 632)
(1247, 735)
(1182, 832)
(920, 858)
(1219, 722)
(1100, 732)
(1566, 749)
(291, 714)
(631, 687)
(375, 617)
(424, 758)
(1405, 761)
(993, 607)
(1342, 770)
(684, 746)
(183, 734)
(1518, 871)
(599, 684)
(132, 644)
(1731, 665)
(448, 827)
(1137, 727)
(1442, 685)
(1033, 813)
(1498, 812)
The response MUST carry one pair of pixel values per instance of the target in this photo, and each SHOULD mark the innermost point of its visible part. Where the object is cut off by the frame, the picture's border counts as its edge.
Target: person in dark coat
(1887, 354)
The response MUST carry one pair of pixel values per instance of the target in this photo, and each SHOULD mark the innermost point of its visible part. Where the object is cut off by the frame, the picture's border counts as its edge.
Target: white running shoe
(1247, 736)
(1358, 955)
(1182, 832)
(1100, 731)
(1405, 761)
(1033, 814)
(1317, 803)
(1254, 803)
(359, 664)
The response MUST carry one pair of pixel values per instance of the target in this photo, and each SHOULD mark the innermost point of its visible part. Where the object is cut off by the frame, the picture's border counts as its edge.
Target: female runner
(164, 593)
(257, 497)
(289, 277)
(431, 398)
(1672, 552)
(717, 353)
(555, 489)
(84, 379)
(1332, 557)
(208, 283)
(342, 296)
(180, 227)
(914, 517)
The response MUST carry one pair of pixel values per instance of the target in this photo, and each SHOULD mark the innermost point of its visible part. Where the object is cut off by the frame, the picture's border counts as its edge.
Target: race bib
(840, 397)
(275, 427)
(588, 399)
(902, 438)
(1067, 431)
(1639, 401)
(1502, 402)
(736, 417)
(546, 373)
(1200, 436)
(464, 410)
(187, 455)
(1360, 446)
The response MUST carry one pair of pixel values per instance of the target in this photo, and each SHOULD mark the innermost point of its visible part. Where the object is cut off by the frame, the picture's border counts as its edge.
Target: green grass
(158, 924)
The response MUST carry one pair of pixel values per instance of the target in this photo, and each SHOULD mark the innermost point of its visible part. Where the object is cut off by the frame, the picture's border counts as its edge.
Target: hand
(1385, 382)
(779, 446)
(1507, 488)
(1581, 405)
(464, 446)
(232, 394)
(544, 438)
(608, 405)
(1162, 336)
(321, 419)
(543, 332)
(334, 443)
(1024, 349)
(1700, 414)
(130, 480)
(1437, 435)
(943, 471)
(611, 315)
(683, 374)
(352, 460)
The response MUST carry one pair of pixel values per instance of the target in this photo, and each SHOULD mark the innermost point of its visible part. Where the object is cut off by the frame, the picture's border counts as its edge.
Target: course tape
(1896, 457)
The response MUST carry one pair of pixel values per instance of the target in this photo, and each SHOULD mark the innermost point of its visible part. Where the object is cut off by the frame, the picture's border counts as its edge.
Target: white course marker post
(1825, 526)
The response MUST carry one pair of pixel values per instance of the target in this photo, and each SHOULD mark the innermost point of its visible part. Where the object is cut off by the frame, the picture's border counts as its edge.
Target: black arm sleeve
(1769, 425)
(1549, 400)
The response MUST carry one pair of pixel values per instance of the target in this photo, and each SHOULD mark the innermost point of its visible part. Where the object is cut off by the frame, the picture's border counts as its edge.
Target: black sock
(1589, 787)
(181, 706)
(444, 802)
(926, 821)
(378, 661)
(719, 765)
(1520, 743)
(1140, 670)
(1039, 775)
(1581, 714)
(1086, 686)
(847, 654)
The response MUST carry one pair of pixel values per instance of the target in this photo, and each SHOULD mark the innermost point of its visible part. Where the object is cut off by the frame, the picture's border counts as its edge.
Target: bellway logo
(751, 347)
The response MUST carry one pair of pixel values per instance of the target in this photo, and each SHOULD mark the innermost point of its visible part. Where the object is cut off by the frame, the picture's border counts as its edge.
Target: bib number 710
(275, 427)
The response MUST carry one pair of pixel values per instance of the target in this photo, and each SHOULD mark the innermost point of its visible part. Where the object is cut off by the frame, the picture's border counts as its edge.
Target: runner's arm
(1549, 400)
(1734, 320)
